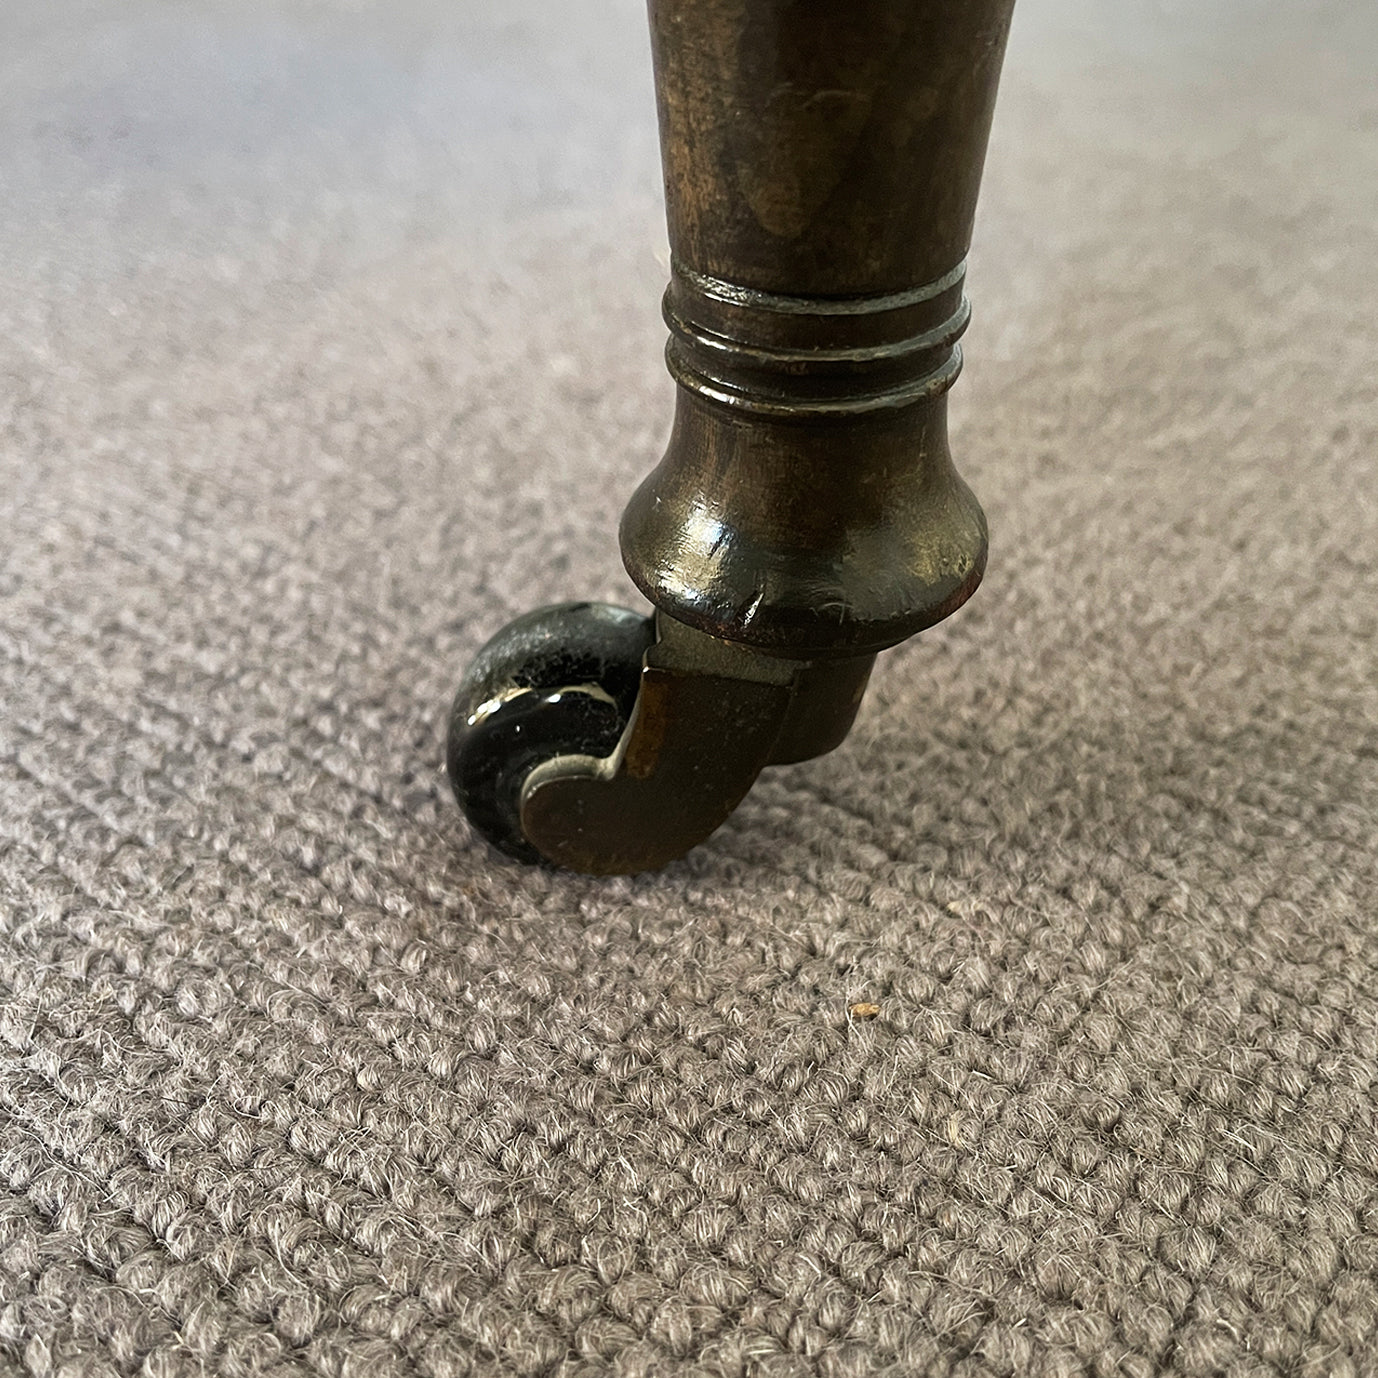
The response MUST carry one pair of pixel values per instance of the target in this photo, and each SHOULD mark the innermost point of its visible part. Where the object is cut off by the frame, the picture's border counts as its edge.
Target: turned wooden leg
(822, 164)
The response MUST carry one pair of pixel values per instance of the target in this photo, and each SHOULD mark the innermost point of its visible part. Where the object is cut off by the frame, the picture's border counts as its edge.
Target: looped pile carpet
(327, 343)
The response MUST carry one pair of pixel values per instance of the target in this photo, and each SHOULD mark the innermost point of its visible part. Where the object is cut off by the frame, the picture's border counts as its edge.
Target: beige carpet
(328, 341)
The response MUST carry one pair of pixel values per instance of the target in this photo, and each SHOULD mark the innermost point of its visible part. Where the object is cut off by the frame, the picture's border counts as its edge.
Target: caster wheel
(560, 681)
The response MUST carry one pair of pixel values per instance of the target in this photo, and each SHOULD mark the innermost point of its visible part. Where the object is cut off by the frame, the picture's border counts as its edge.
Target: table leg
(822, 164)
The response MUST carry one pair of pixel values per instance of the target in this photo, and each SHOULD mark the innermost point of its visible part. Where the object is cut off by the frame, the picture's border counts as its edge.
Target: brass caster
(594, 739)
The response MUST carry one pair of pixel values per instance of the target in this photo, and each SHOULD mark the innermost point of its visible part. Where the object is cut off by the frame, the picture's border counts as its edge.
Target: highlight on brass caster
(560, 681)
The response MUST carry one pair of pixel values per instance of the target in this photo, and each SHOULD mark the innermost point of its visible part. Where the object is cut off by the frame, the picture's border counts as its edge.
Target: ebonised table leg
(822, 164)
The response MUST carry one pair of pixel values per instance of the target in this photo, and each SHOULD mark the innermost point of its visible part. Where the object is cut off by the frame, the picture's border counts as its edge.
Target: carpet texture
(328, 342)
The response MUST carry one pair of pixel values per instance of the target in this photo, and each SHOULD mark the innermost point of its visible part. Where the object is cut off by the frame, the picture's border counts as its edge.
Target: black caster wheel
(560, 681)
